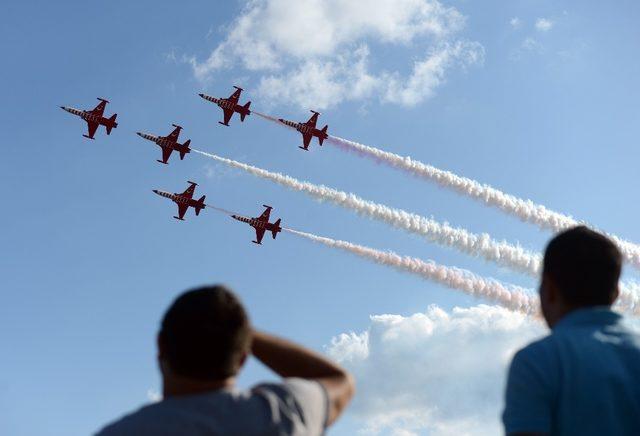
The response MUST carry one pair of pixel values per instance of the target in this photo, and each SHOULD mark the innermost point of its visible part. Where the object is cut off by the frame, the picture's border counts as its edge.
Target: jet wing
(173, 136)
(259, 235)
(235, 96)
(306, 140)
(99, 110)
(313, 120)
(228, 113)
(265, 215)
(166, 153)
(190, 190)
(92, 128)
(182, 209)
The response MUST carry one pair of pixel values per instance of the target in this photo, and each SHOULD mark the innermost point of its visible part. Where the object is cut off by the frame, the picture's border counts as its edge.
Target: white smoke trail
(525, 210)
(270, 118)
(501, 252)
(219, 209)
(510, 296)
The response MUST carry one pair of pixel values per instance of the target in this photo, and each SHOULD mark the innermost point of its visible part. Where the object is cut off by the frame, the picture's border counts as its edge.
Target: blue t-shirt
(582, 379)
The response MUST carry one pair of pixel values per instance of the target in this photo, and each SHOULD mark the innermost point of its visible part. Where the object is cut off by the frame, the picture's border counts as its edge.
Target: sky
(537, 98)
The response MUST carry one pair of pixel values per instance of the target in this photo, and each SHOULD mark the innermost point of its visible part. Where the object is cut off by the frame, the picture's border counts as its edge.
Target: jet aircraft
(308, 130)
(94, 118)
(184, 200)
(169, 143)
(261, 224)
(230, 105)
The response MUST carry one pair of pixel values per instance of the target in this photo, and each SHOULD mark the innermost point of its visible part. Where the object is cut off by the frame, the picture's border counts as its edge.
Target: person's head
(204, 337)
(581, 269)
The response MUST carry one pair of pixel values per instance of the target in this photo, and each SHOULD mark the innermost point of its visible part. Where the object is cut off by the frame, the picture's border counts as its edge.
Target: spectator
(203, 342)
(584, 377)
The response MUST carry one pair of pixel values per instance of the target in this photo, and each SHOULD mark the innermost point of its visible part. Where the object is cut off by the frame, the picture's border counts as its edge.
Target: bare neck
(176, 386)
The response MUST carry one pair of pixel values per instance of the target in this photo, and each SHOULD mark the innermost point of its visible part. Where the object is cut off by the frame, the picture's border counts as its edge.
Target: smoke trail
(483, 245)
(269, 118)
(525, 210)
(509, 296)
(219, 209)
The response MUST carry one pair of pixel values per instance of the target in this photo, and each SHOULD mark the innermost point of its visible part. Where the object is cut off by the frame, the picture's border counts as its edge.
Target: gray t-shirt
(293, 407)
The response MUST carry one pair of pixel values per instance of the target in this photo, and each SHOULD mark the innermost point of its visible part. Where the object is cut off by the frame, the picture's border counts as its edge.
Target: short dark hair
(205, 333)
(585, 265)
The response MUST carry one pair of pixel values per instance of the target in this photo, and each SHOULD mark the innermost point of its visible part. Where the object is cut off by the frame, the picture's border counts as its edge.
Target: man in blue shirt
(584, 378)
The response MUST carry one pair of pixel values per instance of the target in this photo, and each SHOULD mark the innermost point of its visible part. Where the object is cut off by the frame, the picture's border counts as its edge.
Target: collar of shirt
(596, 315)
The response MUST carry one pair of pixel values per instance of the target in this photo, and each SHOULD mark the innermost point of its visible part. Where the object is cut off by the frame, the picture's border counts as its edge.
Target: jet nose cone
(139, 133)
(201, 95)
(155, 191)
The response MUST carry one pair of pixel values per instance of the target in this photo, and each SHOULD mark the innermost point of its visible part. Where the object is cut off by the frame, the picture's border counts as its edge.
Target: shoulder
(538, 362)
(540, 352)
(135, 422)
(304, 400)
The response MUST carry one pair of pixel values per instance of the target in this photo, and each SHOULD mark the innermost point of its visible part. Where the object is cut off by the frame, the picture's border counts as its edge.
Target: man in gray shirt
(204, 340)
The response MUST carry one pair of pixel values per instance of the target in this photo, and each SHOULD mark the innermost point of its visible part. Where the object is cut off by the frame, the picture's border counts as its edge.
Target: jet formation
(169, 143)
(94, 118)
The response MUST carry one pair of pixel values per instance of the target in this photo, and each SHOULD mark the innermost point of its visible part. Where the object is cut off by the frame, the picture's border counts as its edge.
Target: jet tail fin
(324, 134)
(111, 124)
(277, 230)
(200, 205)
(245, 111)
(185, 149)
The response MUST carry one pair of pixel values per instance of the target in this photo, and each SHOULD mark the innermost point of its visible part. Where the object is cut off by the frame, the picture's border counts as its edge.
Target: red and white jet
(184, 200)
(230, 105)
(94, 117)
(261, 224)
(169, 143)
(308, 130)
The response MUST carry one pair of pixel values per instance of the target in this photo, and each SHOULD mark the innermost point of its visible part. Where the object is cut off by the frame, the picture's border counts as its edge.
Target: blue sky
(91, 257)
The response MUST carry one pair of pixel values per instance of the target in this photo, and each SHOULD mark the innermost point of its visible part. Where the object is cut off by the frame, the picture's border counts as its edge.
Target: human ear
(243, 359)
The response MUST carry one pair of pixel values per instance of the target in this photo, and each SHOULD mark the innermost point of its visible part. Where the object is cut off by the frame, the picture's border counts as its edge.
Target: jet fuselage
(257, 224)
(87, 115)
(164, 142)
(305, 129)
(178, 198)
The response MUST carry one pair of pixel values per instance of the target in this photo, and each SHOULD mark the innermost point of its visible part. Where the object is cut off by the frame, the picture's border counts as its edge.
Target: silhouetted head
(581, 269)
(205, 336)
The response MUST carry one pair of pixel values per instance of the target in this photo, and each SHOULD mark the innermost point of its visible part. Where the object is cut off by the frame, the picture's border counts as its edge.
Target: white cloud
(531, 44)
(153, 395)
(317, 52)
(436, 372)
(515, 22)
(544, 24)
(429, 73)
(321, 84)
